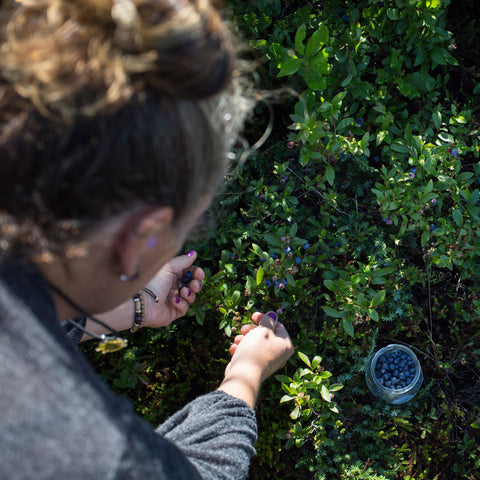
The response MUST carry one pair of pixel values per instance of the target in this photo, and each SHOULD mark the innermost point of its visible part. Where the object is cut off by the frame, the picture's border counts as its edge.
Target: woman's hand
(172, 302)
(174, 298)
(259, 351)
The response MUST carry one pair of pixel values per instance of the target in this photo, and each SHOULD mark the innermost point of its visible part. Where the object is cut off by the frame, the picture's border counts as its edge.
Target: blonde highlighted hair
(108, 104)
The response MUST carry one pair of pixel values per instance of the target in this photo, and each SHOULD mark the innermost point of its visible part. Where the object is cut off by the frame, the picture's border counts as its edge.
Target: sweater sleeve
(217, 433)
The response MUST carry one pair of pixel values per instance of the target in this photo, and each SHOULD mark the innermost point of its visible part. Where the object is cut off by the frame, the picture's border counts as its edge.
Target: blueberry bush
(357, 221)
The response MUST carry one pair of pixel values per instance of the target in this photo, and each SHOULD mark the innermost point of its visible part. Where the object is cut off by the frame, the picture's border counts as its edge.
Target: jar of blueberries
(394, 374)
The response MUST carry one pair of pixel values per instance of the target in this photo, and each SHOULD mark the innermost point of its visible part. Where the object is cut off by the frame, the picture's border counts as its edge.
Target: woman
(115, 122)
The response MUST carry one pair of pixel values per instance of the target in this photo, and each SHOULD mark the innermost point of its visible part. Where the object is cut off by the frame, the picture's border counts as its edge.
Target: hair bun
(82, 56)
(190, 51)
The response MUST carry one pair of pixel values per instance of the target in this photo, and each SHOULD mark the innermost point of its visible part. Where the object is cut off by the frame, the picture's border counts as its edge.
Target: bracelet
(139, 312)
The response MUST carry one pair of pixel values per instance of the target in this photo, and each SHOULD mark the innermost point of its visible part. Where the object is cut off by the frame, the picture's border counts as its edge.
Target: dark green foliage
(358, 221)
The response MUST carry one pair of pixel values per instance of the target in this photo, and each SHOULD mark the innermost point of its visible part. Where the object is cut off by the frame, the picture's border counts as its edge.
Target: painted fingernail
(189, 292)
(190, 253)
(272, 315)
(177, 300)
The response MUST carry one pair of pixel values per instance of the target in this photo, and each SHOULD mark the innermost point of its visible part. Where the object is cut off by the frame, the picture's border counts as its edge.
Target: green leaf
(289, 67)
(347, 80)
(295, 413)
(458, 217)
(346, 122)
(286, 398)
(348, 326)
(314, 80)
(316, 41)
(439, 55)
(304, 359)
(283, 378)
(378, 299)
(325, 393)
(373, 314)
(337, 100)
(330, 174)
(260, 275)
(396, 147)
(330, 284)
(437, 119)
(299, 38)
(316, 361)
(331, 312)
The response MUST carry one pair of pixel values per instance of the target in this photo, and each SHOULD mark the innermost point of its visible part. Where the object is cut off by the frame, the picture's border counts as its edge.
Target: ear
(139, 232)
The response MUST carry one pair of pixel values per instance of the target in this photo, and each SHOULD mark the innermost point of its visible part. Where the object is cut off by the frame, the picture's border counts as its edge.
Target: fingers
(244, 329)
(236, 342)
(269, 320)
(180, 305)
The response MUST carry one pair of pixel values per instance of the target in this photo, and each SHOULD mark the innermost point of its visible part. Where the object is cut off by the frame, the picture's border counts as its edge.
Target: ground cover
(358, 222)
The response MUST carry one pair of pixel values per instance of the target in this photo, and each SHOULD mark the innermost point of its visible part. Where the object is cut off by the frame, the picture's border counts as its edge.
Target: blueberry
(401, 375)
(273, 255)
(388, 383)
(287, 249)
(187, 277)
(298, 260)
(306, 246)
(454, 152)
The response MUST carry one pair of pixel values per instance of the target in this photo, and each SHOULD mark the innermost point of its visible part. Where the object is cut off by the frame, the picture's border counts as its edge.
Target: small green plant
(312, 395)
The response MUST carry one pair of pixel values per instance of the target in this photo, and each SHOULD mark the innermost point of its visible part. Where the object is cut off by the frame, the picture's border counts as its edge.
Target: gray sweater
(58, 420)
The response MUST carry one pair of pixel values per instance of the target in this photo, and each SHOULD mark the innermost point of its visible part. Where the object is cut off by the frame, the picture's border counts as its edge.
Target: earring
(125, 278)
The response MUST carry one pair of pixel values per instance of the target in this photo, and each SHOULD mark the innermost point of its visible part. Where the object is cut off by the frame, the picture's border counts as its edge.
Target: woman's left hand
(175, 289)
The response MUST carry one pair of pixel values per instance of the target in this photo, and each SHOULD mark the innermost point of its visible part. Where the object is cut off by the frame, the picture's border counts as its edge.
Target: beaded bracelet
(139, 312)
(139, 309)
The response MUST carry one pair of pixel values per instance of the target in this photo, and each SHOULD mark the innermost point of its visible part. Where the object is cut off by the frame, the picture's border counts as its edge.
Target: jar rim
(390, 347)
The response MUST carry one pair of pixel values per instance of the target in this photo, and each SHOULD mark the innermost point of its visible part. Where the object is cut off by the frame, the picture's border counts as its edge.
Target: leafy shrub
(358, 223)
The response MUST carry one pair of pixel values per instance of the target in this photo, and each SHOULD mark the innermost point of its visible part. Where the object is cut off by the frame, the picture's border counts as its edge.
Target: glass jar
(394, 374)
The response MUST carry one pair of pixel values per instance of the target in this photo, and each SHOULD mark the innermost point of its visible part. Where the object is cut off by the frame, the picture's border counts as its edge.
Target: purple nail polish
(272, 315)
(190, 253)
(189, 292)
(177, 300)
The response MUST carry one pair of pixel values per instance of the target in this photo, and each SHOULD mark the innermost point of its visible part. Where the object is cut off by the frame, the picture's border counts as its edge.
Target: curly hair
(105, 105)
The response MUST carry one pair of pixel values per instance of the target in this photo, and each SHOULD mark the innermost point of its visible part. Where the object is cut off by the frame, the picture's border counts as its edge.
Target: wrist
(150, 300)
(242, 381)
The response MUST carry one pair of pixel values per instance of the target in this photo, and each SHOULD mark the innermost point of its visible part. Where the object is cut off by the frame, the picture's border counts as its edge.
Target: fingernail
(177, 300)
(272, 315)
(189, 292)
(190, 253)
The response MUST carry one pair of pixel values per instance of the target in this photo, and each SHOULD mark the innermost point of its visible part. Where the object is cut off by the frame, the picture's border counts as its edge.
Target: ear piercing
(125, 278)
